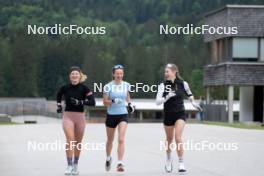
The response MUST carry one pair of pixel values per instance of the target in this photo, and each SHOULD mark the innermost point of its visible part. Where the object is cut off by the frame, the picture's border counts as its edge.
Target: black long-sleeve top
(79, 92)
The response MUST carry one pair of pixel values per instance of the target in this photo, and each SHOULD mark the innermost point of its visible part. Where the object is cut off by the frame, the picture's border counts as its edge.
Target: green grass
(8, 123)
(255, 126)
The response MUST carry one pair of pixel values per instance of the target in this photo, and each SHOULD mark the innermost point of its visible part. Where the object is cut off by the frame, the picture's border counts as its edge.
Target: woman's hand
(117, 101)
(130, 108)
(59, 108)
(195, 105)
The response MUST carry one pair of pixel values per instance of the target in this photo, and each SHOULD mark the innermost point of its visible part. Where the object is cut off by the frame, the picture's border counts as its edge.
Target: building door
(258, 103)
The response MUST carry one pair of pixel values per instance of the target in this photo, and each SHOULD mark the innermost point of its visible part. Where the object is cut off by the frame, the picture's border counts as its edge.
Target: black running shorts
(171, 117)
(113, 120)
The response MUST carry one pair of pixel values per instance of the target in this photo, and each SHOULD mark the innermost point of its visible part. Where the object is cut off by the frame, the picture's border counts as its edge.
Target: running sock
(108, 158)
(119, 162)
(180, 159)
(75, 160)
(168, 155)
(69, 161)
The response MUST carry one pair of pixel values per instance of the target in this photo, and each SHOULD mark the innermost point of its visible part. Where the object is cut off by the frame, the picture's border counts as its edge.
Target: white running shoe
(68, 170)
(182, 169)
(168, 165)
(120, 167)
(75, 170)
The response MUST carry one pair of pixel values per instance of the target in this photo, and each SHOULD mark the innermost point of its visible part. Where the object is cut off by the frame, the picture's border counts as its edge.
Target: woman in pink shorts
(76, 95)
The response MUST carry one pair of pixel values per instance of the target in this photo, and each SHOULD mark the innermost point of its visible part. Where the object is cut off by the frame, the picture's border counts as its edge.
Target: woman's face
(75, 77)
(118, 74)
(169, 73)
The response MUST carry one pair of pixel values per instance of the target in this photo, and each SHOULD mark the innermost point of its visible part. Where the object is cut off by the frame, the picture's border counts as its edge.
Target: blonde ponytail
(83, 77)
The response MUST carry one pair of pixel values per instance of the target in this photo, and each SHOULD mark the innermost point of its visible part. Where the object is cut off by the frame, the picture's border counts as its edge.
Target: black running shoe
(108, 165)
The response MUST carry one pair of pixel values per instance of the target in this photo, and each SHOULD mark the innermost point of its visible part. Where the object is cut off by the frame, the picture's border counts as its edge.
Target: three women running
(116, 97)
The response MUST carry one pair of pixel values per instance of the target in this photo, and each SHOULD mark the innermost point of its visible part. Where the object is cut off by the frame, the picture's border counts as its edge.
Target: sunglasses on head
(118, 66)
(169, 65)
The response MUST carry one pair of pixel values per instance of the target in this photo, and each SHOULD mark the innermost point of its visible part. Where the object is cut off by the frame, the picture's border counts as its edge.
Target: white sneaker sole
(169, 170)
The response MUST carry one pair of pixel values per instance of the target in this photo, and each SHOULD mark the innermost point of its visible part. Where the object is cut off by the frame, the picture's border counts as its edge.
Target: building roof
(249, 20)
(233, 6)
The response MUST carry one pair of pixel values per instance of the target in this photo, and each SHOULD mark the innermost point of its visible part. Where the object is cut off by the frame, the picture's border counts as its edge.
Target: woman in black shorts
(171, 93)
(116, 96)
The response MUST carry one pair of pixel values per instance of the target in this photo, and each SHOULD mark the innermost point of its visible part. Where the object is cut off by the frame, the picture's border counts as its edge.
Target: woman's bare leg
(109, 143)
(169, 130)
(122, 126)
(179, 127)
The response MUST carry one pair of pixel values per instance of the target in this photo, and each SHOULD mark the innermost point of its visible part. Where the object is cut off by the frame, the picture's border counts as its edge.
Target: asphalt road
(143, 154)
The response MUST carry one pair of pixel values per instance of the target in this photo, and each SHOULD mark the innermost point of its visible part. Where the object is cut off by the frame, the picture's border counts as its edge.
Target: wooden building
(238, 59)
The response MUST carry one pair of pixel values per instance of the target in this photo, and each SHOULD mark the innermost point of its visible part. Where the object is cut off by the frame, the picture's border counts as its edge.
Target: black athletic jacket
(176, 103)
(79, 92)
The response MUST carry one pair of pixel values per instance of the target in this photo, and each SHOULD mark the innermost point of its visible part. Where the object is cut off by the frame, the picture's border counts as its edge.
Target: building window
(262, 49)
(245, 49)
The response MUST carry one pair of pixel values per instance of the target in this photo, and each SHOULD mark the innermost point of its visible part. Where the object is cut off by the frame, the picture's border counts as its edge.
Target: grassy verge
(8, 123)
(255, 126)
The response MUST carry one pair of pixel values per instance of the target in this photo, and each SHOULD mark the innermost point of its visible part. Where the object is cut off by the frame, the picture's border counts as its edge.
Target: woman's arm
(59, 95)
(130, 107)
(106, 100)
(190, 96)
(128, 99)
(159, 97)
(59, 98)
(89, 99)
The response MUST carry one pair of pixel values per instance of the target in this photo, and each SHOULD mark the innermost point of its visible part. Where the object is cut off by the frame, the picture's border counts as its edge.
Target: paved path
(143, 154)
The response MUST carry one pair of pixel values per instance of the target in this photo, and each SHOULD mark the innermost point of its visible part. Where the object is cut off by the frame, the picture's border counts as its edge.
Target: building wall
(215, 20)
(234, 73)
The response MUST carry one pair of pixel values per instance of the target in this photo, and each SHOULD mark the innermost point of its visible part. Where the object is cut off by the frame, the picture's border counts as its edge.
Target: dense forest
(37, 65)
